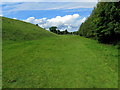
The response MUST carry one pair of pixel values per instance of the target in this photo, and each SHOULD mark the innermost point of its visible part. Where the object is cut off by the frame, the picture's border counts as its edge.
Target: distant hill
(103, 23)
(18, 30)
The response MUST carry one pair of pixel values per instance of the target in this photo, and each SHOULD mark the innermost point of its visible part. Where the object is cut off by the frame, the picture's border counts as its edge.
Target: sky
(64, 15)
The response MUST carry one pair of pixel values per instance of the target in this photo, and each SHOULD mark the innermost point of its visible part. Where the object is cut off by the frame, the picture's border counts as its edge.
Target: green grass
(59, 62)
(16, 30)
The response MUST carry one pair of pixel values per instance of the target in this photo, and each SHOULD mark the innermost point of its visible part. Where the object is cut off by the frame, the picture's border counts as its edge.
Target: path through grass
(59, 62)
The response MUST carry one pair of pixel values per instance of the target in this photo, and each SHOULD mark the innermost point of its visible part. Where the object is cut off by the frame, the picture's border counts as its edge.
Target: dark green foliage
(58, 32)
(65, 32)
(37, 25)
(54, 30)
(75, 33)
(104, 23)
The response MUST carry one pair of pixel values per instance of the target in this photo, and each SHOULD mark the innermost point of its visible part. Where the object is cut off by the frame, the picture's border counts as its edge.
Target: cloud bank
(69, 22)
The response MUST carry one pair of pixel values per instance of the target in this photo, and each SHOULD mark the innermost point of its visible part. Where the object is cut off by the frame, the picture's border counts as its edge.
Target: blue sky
(23, 14)
(61, 14)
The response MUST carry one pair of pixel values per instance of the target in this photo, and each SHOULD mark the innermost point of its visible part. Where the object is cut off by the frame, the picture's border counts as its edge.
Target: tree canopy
(103, 24)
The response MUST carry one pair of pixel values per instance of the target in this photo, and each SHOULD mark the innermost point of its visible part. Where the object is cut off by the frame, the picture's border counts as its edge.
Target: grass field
(59, 62)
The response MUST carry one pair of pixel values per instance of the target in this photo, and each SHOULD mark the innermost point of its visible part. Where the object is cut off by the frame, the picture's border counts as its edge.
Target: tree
(53, 29)
(66, 32)
(58, 32)
(103, 24)
(37, 25)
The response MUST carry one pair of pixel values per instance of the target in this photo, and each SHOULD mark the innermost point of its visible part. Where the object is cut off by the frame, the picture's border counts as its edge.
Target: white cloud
(83, 20)
(14, 18)
(50, 1)
(30, 19)
(69, 22)
(60, 0)
(9, 7)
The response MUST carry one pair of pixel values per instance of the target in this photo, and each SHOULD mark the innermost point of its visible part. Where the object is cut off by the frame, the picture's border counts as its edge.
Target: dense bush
(103, 24)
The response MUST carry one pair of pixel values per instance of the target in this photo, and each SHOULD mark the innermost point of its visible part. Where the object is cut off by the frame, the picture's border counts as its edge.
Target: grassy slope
(16, 30)
(61, 61)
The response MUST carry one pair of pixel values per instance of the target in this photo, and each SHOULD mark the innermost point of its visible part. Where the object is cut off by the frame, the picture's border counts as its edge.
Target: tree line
(103, 24)
(55, 30)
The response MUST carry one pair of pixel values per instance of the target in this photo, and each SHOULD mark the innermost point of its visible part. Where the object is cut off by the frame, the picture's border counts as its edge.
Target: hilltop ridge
(17, 30)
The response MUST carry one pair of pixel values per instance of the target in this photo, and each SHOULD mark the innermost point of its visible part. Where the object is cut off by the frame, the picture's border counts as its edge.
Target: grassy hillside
(16, 30)
(56, 61)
